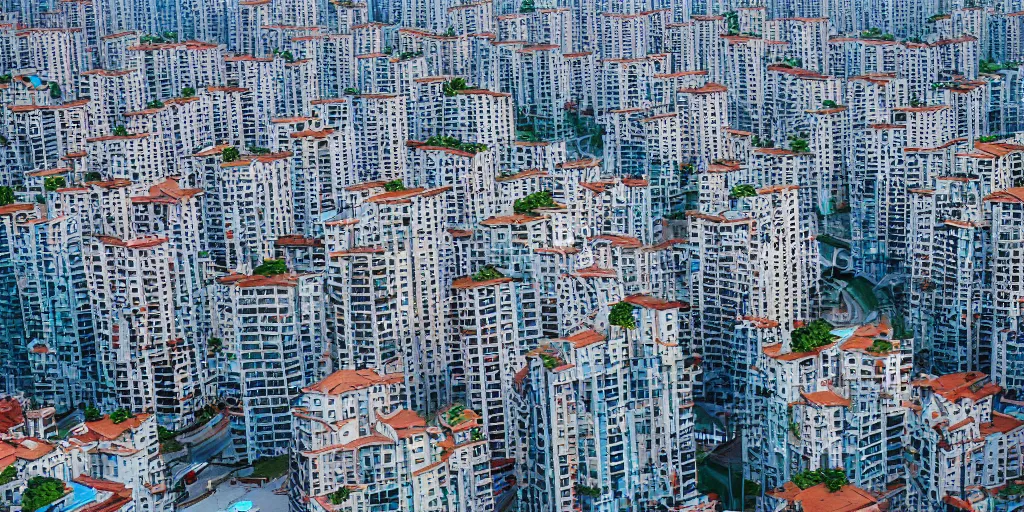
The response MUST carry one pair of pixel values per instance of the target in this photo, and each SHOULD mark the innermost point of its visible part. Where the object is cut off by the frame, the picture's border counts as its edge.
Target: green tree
(742, 191)
(120, 415)
(120, 131)
(350, 91)
(834, 479)
(816, 334)
(155, 104)
(799, 145)
(340, 496)
(6, 78)
(829, 104)
(487, 273)
(394, 186)
(258, 150)
(52, 183)
(527, 6)
(6, 195)
(41, 491)
(92, 413)
(92, 176)
(55, 91)
(527, 205)
(271, 268)
(188, 92)
(8, 474)
(229, 154)
(453, 86)
(622, 315)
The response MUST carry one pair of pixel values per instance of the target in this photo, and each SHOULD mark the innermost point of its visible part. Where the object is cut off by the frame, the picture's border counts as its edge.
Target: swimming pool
(83, 495)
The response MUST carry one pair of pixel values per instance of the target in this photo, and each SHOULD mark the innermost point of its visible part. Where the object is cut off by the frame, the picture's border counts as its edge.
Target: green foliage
(991, 66)
(409, 55)
(880, 347)
(988, 138)
(550, 362)
(876, 33)
(40, 199)
(120, 131)
(793, 62)
(829, 104)
(758, 142)
(834, 479)
(55, 91)
(155, 104)
(41, 491)
(6, 195)
(799, 145)
(92, 413)
(527, 205)
(120, 415)
(230, 154)
(258, 150)
(188, 92)
(486, 274)
(52, 183)
(163, 434)
(621, 315)
(590, 492)
(270, 467)
(742, 191)
(935, 17)
(816, 334)
(454, 414)
(751, 488)
(794, 429)
(340, 496)
(93, 176)
(447, 141)
(270, 268)
(350, 91)
(732, 23)
(171, 446)
(476, 435)
(450, 32)
(215, 345)
(453, 86)
(8, 474)
(4, 141)
(676, 215)
(6, 78)
(527, 6)
(170, 36)
(394, 186)
(1011, 489)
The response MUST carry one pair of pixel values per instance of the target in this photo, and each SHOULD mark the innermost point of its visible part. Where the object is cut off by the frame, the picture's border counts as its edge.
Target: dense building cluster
(534, 255)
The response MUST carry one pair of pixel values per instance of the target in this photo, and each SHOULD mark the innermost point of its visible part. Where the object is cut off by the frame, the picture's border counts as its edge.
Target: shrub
(394, 186)
(6, 195)
(816, 334)
(350, 91)
(550, 362)
(120, 131)
(92, 413)
(258, 150)
(880, 347)
(622, 315)
(527, 6)
(799, 145)
(155, 104)
(55, 91)
(528, 204)
(188, 92)
(453, 86)
(340, 496)
(41, 491)
(486, 274)
(829, 104)
(590, 492)
(52, 183)
(8, 474)
(120, 416)
(834, 479)
(93, 176)
(271, 268)
(230, 154)
(742, 191)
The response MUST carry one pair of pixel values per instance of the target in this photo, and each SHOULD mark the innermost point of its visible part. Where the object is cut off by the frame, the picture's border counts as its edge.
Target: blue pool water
(83, 495)
(241, 506)
(36, 81)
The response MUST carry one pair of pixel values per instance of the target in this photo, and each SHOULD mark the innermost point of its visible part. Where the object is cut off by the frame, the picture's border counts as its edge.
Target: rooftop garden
(876, 33)
(452, 87)
(40, 492)
(527, 205)
(621, 315)
(742, 191)
(258, 150)
(834, 479)
(799, 143)
(120, 416)
(188, 92)
(155, 104)
(92, 413)
(991, 66)
(550, 362)
(880, 346)
(394, 186)
(455, 415)
(52, 183)
(230, 154)
(486, 273)
(758, 142)
(270, 467)
(270, 268)
(816, 334)
(447, 141)
(165, 37)
(6, 195)
(340, 496)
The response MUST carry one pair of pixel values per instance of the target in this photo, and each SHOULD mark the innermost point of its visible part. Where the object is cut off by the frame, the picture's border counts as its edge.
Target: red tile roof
(344, 381)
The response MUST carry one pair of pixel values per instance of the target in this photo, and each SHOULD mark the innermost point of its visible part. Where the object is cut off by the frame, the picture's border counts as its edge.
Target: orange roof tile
(343, 381)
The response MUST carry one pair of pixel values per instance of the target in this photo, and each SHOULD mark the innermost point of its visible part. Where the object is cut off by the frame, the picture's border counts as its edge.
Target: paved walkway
(262, 497)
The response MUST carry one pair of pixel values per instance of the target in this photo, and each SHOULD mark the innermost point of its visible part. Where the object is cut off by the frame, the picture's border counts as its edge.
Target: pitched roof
(343, 381)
